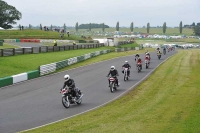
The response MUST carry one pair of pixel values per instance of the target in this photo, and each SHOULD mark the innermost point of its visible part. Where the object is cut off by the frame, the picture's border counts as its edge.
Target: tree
(40, 26)
(90, 27)
(65, 28)
(131, 27)
(117, 26)
(148, 27)
(181, 27)
(193, 24)
(93, 25)
(30, 26)
(196, 30)
(76, 27)
(164, 27)
(20, 28)
(51, 28)
(103, 27)
(8, 15)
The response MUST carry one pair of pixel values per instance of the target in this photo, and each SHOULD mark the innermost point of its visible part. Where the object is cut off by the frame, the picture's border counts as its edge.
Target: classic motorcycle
(68, 98)
(113, 85)
(126, 74)
(159, 56)
(147, 63)
(139, 67)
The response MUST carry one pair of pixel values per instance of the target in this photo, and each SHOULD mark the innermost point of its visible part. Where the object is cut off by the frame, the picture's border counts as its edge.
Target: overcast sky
(156, 12)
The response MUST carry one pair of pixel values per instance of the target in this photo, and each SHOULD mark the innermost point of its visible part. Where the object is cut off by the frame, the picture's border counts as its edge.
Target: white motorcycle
(126, 74)
(147, 63)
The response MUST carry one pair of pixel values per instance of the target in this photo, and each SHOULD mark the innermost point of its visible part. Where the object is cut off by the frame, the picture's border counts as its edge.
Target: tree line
(9, 15)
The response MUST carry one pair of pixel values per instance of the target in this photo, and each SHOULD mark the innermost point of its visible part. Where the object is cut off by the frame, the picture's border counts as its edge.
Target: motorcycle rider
(139, 61)
(147, 53)
(114, 73)
(147, 58)
(71, 85)
(126, 65)
(137, 56)
(164, 49)
(159, 52)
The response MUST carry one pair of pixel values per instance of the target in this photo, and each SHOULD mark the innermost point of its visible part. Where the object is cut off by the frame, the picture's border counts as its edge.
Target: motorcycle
(126, 74)
(164, 52)
(159, 56)
(68, 98)
(139, 67)
(147, 63)
(113, 85)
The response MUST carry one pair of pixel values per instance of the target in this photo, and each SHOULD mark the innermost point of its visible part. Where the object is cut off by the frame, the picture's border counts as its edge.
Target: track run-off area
(38, 102)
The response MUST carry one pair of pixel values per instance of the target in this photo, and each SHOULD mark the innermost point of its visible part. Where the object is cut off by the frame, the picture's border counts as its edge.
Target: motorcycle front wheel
(65, 102)
(111, 87)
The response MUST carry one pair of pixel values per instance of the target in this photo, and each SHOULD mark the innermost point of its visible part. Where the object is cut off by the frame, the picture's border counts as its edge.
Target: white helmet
(66, 77)
(112, 68)
(126, 62)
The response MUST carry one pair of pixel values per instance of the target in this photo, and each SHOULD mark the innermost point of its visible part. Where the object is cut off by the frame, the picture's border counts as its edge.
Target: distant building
(198, 24)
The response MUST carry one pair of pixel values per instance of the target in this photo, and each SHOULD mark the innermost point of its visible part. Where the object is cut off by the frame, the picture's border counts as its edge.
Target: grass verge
(35, 34)
(168, 101)
(23, 63)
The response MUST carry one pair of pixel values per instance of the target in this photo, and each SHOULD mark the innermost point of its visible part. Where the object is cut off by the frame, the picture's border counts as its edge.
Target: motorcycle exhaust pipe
(79, 98)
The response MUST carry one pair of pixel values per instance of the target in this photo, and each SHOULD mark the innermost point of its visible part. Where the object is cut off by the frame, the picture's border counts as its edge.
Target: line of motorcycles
(68, 97)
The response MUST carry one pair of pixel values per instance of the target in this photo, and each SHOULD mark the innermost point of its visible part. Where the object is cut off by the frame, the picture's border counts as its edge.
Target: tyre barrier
(49, 68)
(18, 78)
(124, 49)
(30, 40)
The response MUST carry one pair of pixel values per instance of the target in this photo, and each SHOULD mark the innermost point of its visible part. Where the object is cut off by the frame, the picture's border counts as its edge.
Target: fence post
(64, 48)
(76, 46)
(32, 50)
(47, 49)
(13, 51)
(59, 48)
(40, 49)
(73, 47)
(23, 50)
(1, 52)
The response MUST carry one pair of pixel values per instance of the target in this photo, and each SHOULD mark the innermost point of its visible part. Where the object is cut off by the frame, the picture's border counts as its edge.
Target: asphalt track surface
(27, 44)
(38, 102)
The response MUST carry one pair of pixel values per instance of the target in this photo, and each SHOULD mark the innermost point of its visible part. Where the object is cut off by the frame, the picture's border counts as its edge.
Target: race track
(38, 102)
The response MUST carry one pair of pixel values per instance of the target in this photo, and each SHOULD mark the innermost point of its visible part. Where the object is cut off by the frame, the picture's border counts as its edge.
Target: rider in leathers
(137, 56)
(114, 73)
(70, 84)
(126, 65)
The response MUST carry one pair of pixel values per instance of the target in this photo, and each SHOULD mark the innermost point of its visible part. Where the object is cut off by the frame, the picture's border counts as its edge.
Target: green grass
(187, 40)
(169, 31)
(34, 34)
(168, 41)
(23, 63)
(167, 102)
(129, 45)
(5, 46)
